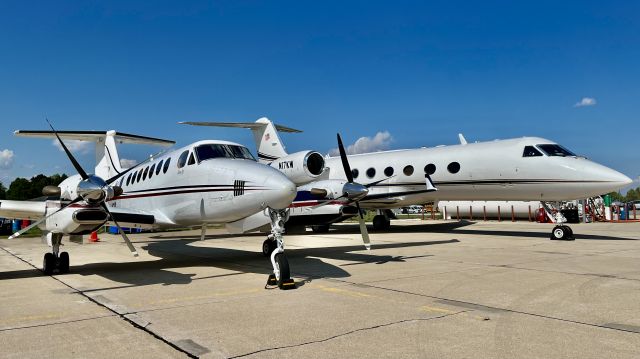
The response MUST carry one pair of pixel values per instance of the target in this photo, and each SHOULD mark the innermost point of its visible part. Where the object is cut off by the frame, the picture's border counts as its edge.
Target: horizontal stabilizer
(97, 136)
(249, 125)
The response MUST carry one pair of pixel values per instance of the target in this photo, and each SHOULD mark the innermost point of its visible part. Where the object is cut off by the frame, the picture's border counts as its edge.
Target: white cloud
(586, 101)
(6, 159)
(82, 147)
(380, 142)
(127, 163)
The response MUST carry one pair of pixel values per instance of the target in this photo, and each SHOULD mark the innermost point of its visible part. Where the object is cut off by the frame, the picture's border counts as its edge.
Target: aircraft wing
(22, 209)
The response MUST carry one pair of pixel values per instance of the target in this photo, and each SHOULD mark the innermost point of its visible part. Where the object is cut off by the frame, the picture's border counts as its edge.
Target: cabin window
(530, 151)
(166, 165)
(129, 178)
(556, 150)
(182, 160)
(371, 172)
(388, 171)
(355, 173)
(139, 176)
(408, 170)
(153, 167)
(453, 167)
(159, 167)
(146, 172)
(430, 169)
(192, 160)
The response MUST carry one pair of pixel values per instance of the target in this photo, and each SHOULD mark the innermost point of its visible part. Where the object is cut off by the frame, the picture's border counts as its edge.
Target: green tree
(3, 191)
(23, 189)
(19, 189)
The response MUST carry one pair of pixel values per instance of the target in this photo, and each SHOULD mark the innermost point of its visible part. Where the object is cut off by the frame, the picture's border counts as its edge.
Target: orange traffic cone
(94, 237)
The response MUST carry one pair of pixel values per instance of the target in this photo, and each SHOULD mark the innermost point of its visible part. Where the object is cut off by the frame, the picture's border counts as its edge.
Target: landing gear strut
(275, 243)
(56, 260)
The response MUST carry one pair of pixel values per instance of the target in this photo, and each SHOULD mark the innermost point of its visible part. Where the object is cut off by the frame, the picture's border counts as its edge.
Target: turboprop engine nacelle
(300, 167)
(332, 189)
(93, 190)
(74, 220)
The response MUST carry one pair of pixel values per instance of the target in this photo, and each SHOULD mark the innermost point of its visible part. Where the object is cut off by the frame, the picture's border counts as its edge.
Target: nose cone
(609, 179)
(279, 191)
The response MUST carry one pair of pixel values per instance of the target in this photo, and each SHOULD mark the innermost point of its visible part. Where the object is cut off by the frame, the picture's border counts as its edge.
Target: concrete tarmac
(427, 289)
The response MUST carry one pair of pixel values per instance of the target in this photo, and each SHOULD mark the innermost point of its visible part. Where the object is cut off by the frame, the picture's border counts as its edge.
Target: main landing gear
(273, 247)
(55, 261)
(381, 221)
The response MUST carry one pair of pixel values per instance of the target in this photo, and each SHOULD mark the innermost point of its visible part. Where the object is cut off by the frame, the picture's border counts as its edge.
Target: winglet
(430, 186)
(463, 141)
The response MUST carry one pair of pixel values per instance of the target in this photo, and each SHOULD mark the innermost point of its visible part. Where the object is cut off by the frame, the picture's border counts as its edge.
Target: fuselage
(514, 169)
(195, 184)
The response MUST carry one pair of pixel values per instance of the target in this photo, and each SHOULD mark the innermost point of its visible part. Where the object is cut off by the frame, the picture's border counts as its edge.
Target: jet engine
(300, 167)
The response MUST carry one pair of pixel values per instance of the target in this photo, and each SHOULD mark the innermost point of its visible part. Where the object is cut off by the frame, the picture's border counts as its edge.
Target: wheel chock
(272, 281)
(287, 284)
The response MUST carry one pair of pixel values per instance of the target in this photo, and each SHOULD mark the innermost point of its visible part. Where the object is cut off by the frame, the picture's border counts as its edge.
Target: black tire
(283, 265)
(569, 236)
(378, 222)
(49, 263)
(320, 228)
(63, 262)
(559, 233)
(268, 246)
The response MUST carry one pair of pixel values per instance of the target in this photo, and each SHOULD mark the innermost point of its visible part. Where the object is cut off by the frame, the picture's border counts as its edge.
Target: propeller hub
(355, 191)
(92, 189)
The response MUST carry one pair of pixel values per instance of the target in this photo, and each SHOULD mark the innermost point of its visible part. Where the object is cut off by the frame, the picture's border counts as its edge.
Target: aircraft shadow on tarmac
(176, 252)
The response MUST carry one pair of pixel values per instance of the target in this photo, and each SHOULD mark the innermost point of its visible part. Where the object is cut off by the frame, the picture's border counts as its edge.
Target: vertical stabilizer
(268, 142)
(107, 158)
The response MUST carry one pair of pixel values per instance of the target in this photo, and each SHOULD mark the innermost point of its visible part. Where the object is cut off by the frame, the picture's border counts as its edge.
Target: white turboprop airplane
(528, 168)
(206, 182)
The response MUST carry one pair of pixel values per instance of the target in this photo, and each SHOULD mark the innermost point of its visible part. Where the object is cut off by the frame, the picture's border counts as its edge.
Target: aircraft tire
(379, 222)
(63, 263)
(559, 233)
(49, 263)
(283, 266)
(569, 236)
(268, 246)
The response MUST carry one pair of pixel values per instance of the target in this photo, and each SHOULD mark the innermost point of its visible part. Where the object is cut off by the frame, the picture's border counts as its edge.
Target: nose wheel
(273, 247)
(55, 261)
(562, 233)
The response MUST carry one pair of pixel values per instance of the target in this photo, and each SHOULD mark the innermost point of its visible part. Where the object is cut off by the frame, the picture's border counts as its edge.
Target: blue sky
(423, 71)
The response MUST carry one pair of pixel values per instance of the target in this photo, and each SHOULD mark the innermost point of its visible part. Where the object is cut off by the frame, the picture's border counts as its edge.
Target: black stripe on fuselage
(486, 182)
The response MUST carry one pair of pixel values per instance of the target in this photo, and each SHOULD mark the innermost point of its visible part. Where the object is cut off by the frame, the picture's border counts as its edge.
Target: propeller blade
(26, 229)
(376, 182)
(124, 235)
(345, 161)
(75, 163)
(363, 229)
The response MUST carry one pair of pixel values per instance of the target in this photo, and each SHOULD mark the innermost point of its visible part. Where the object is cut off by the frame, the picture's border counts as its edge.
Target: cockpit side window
(530, 151)
(192, 160)
(209, 151)
(556, 150)
(182, 160)
(241, 152)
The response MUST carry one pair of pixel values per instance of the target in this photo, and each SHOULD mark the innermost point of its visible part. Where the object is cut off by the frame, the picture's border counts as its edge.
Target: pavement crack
(123, 316)
(413, 320)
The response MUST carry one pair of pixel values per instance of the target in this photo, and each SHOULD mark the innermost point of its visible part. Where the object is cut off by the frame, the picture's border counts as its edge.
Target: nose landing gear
(274, 245)
(562, 233)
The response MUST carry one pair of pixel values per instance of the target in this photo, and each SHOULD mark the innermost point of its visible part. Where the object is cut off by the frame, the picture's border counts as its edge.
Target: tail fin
(107, 157)
(265, 135)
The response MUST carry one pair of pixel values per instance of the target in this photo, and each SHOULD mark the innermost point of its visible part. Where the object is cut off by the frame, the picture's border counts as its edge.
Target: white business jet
(528, 168)
(206, 182)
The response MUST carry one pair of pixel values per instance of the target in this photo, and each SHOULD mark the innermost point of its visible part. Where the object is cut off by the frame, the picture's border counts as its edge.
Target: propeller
(92, 189)
(354, 191)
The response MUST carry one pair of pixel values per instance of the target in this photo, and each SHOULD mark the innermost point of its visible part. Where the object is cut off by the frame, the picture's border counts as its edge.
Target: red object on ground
(94, 237)
(541, 216)
(24, 223)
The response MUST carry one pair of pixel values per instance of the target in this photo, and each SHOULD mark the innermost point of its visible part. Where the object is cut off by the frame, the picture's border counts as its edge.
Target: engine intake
(300, 167)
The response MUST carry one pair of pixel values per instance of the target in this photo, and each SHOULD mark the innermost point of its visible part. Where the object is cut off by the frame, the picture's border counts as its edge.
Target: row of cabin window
(148, 171)
(453, 167)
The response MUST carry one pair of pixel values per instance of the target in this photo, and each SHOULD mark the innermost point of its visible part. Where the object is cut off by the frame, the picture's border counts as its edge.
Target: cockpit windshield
(556, 150)
(215, 150)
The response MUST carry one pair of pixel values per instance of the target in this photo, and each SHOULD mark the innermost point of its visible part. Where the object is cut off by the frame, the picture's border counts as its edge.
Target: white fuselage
(494, 170)
(217, 190)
